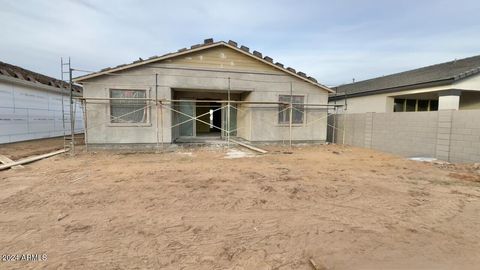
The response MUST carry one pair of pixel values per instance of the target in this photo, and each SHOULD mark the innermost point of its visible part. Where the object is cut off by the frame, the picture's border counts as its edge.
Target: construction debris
(251, 147)
(234, 153)
(31, 159)
(6, 160)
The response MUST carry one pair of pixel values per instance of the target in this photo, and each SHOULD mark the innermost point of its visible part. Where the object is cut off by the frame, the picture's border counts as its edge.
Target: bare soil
(18, 150)
(343, 207)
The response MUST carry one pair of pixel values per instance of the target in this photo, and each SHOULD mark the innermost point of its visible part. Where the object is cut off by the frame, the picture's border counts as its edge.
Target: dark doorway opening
(216, 119)
(210, 116)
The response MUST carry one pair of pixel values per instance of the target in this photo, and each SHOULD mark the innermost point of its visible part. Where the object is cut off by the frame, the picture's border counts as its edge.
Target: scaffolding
(162, 105)
(70, 117)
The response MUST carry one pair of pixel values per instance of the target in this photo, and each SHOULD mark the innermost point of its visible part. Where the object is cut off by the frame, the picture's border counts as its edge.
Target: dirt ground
(24, 149)
(343, 207)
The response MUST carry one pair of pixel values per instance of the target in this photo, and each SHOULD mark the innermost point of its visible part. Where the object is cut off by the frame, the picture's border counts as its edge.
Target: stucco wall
(469, 83)
(381, 103)
(99, 128)
(264, 118)
(254, 123)
(373, 103)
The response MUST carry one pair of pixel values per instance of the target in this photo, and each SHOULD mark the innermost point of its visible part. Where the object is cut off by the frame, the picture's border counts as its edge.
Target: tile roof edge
(208, 43)
(23, 74)
(390, 89)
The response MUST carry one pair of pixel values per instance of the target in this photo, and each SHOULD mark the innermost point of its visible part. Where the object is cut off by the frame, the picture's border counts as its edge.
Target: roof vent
(195, 46)
(302, 74)
(268, 59)
(279, 64)
(291, 69)
(208, 41)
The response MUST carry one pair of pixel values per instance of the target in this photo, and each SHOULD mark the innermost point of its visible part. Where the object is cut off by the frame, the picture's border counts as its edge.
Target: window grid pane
(411, 105)
(422, 105)
(398, 105)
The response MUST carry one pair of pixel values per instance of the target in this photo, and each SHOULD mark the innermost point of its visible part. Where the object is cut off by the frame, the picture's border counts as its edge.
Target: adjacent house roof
(17, 72)
(208, 43)
(439, 74)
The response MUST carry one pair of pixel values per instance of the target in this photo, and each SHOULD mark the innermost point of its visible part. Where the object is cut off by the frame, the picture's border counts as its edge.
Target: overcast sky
(333, 41)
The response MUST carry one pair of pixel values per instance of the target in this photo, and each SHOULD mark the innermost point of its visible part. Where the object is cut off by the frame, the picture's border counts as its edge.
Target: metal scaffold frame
(161, 104)
(69, 139)
(167, 104)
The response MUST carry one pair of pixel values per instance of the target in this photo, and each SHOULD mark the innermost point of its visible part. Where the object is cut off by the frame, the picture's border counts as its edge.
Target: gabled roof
(208, 43)
(19, 73)
(439, 74)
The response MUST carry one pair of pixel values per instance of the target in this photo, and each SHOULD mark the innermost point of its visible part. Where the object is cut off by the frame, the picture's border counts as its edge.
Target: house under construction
(211, 90)
(35, 106)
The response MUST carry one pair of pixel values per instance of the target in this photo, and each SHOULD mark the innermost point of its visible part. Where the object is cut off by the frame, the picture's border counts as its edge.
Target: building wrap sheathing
(30, 109)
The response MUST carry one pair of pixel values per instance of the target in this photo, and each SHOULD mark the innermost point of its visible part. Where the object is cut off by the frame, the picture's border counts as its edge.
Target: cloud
(334, 41)
(91, 6)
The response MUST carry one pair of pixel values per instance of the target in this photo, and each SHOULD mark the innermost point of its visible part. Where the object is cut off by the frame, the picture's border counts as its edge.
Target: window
(414, 105)
(411, 105)
(128, 110)
(422, 105)
(398, 105)
(297, 111)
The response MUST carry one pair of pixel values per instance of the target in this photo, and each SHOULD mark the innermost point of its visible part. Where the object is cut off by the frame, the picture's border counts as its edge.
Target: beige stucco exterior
(203, 74)
(383, 102)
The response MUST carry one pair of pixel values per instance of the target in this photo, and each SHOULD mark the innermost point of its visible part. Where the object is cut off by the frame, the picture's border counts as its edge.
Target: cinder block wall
(465, 136)
(447, 135)
(354, 127)
(406, 134)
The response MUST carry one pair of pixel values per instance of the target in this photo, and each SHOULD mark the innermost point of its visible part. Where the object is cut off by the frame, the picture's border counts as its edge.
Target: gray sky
(333, 41)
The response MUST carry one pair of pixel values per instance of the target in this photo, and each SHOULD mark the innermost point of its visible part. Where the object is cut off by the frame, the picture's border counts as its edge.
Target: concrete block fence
(448, 135)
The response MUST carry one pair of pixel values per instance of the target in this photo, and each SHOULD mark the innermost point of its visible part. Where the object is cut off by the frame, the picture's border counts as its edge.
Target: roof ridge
(210, 42)
(467, 73)
(416, 69)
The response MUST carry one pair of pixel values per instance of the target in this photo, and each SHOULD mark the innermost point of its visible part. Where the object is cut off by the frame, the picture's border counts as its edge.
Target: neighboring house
(451, 85)
(191, 83)
(31, 105)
